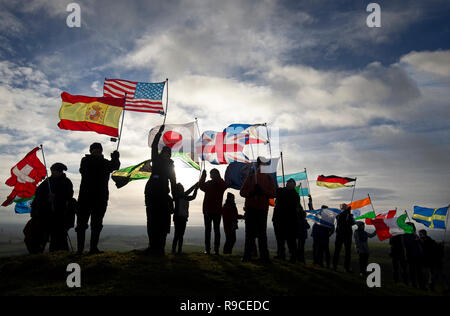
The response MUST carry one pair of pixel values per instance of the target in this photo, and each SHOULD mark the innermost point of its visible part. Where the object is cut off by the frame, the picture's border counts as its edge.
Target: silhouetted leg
(262, 234)
(97, 226)
(250, 235)
(149, 225)
(281, 252)
(301, 250)
(327, 254)
(208, 228)
(363, 262)
(216, 222)
(82, 225)
(176, 236)
(348, 253)
(337, 250)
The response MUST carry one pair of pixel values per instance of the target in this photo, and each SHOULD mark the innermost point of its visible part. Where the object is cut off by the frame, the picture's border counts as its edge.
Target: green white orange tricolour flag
(362, 209)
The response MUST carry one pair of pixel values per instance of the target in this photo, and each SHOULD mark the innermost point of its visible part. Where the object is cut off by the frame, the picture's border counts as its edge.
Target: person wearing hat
(50, 209)
(257, 189)
(93, 197)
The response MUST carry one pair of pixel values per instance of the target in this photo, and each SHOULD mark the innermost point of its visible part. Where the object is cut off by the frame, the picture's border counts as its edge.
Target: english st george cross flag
(141, 96)
(25, 176)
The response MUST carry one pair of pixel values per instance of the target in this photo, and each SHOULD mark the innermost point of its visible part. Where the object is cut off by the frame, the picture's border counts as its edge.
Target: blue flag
(432, 218)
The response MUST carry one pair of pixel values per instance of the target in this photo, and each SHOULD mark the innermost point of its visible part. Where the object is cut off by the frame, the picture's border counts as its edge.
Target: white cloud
(437, 62)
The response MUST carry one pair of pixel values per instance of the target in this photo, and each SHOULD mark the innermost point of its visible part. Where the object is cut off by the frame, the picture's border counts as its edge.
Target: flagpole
(282, 168)
(48, 179)
(121, 124)
(354, 187)
(301, 192)
(373, 209)
(46, 172)
(201, 164)
(167, 100)
(307, 183)
(446, 224)
(268, 140)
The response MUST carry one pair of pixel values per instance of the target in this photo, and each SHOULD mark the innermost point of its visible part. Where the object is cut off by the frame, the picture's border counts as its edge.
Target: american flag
(221, 148)
(141, 96)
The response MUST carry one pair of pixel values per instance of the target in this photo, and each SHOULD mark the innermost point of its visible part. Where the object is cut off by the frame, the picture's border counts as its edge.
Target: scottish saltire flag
(324, 217)
(433, 218)
(220, 148)
(140, 96)
(301, 180)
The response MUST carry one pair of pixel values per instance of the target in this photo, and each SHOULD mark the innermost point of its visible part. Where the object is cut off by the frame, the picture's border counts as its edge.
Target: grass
(191, 274)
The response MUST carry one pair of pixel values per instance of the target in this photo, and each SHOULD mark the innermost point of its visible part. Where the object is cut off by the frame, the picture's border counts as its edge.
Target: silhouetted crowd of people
(415, 258)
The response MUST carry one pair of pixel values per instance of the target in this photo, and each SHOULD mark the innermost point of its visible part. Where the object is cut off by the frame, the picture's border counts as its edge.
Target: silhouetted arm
(156, 142)
(194, 195)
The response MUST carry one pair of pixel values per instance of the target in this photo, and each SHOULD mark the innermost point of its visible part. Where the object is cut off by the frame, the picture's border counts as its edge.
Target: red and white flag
(25, 176)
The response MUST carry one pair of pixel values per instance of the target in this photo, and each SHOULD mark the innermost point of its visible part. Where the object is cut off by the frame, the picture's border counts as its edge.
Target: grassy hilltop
(191, 274)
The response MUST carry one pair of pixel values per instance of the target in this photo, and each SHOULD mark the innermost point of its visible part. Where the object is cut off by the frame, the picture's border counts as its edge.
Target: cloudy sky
(349, 100)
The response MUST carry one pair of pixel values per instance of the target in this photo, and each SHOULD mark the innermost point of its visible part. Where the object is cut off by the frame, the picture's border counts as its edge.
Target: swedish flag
(433, 218)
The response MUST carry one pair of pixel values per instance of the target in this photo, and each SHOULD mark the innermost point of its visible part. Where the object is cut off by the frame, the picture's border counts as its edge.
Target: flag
(433, 218)
(255, 136)
(140, 96)
(180, 138)
(324, 217)
(143, 170)
(81, 113)
(25, 176)
(388, 214)
(301, 180)
(389, 227)
(334, 182)
(124, 176)
(362, 209)
(23, 205)
(221, 148)
(237, 172)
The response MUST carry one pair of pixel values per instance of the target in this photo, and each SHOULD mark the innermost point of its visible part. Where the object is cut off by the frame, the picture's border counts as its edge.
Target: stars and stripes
(140, 96)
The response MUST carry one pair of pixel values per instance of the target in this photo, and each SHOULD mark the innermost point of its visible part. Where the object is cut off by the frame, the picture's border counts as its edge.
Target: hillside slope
(191, 274)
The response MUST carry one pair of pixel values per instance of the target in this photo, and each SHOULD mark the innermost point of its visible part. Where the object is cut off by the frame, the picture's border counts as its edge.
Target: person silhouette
(212, 207)
(181, 214)
(258, 188)
(94, 194)
(230, 223)
(285, 220)
(50, 209)
(159, 204)
(344, 232)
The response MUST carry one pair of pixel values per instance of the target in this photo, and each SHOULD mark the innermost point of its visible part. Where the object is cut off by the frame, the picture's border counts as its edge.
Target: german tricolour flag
(334, 182)
(82, 113)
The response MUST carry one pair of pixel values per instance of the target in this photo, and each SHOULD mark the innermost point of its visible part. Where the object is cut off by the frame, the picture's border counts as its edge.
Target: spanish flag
(100, 115)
